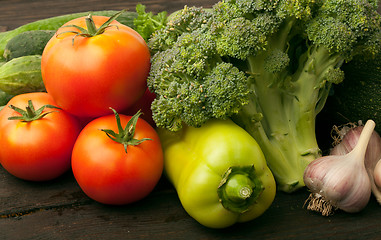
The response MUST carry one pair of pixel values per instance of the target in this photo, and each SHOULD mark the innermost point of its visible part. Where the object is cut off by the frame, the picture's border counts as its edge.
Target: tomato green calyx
(125, 135)
(91, 30)
(30, 114)
(239, 188)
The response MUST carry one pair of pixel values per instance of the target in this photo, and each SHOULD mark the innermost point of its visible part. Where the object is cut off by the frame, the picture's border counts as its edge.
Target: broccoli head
(268, 65)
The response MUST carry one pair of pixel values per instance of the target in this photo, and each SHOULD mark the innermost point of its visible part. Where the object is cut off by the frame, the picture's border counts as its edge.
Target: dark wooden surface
(59, 210)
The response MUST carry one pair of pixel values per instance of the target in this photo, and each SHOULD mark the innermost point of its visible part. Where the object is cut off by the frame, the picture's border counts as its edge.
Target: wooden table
(59, 209)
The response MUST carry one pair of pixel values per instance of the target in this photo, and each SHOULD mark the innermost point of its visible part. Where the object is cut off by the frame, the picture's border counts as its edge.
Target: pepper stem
(239, 188)
(125, 135)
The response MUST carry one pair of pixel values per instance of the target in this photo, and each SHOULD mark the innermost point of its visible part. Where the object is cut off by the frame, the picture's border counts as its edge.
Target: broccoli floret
(276, 61)
(183, 21)
(268, 65)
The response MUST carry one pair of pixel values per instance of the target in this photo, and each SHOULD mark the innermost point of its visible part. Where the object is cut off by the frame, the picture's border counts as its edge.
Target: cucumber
(27, 43)
(4, 98)
(53, 23)
(22, 75)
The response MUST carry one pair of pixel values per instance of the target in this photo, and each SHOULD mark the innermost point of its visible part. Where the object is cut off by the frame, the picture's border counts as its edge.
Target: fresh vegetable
(268, 65)
(27, 43)
(36, 137)
(340, 181)
(219, 172)
(347, 138)
(377, 181)
(22, 75)
(53, 23)
(358, 97)
(4, 98)
(146, 22)
(143, 105)
(101, 63)
(117, 159)
(32, 42)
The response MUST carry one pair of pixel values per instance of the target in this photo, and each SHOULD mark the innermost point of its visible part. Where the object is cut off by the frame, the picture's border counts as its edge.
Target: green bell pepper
(219, 172)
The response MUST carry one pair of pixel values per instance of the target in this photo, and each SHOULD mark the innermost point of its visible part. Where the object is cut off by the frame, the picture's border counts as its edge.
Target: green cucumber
(53, 23)
(22, 75)
(4, 98)
(27, 43)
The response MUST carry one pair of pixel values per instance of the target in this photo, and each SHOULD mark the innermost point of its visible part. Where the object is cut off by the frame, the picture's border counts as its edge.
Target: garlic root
(341, 181)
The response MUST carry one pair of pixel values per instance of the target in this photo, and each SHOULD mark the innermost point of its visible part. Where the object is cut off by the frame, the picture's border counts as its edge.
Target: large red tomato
(144, 105)
(112, 165)
(40, 149)
(88, 74)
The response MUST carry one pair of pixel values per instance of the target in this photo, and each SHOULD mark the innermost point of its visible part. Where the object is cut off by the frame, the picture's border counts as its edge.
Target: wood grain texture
(18, 12)
(58, 209)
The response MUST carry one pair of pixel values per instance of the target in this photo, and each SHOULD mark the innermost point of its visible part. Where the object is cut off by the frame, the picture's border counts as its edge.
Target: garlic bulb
(340, 181)
(349, 140)
(377, 180)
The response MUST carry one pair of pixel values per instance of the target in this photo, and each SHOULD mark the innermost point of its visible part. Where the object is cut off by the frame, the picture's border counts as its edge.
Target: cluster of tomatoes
(84, 121)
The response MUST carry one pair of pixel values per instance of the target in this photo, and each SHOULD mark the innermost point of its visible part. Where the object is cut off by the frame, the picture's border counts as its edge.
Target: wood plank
(21, 197)
(18, 12)
(59, 210)
(160, 216)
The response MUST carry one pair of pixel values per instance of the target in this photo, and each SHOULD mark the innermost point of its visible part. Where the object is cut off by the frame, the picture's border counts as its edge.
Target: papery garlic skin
(358, 196)
(340, 181)
(348, 142)
(372, 155)
(377, 175)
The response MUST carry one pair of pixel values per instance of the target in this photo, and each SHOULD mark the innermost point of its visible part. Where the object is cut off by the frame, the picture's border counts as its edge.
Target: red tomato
(87, 75)
(38, 150)
(106, 172)
(144, 105)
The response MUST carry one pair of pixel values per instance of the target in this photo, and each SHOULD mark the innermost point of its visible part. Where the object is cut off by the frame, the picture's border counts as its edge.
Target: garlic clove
(377, 174)
(373, 165)
(337, 182)
(349, 138)
(348, 141)
(359, 194)
(340, 181)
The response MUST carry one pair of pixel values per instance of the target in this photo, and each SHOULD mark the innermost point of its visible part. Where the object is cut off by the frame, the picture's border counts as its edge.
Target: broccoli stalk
(282, 118)
(268, 65)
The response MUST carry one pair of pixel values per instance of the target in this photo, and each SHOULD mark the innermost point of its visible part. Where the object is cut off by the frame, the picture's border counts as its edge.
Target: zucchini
(27, 43)
(22, 75)
(53, 23)
(357, 98)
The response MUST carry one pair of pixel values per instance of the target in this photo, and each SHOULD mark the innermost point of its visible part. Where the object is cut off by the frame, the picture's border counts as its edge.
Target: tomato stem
(30, 114)
(125, 135)
(91, 29)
